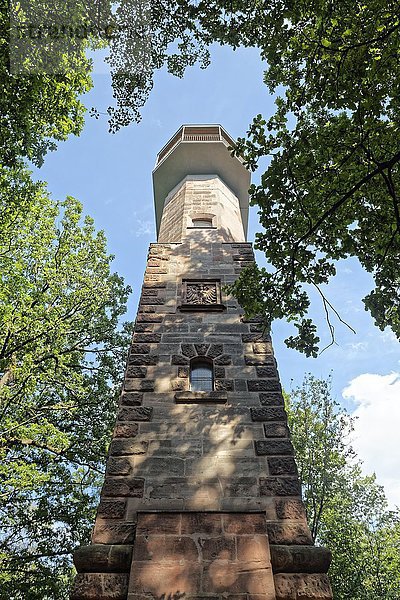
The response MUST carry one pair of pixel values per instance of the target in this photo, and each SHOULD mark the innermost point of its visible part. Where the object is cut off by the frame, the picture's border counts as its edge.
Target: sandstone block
(244, 523)
(123, 486)
(113, 532)
(140, 359)
(218, 548)
(127, 446)
(289, 508)
(100, 586)
(135, 372)
(131, 398)
(271, 399)
(126, 429)
(282, 465)
(280, 486)
(266, 371)
(135, 413)
(103, 558)
(259, 360)
(275, 429)
(263, 385)
(188, 350)
(264, 347)
(289, 532)
(210, 523)
(215, 350)
(273, 446)
(111, 509)
(291, 586)
(140, 349)
(300, 559)
(178, 359)
(151, 523)
(268, 413)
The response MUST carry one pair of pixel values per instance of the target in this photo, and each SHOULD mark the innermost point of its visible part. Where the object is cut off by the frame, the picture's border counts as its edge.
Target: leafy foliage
(331, 189)
(38, 109)
(346, 510)
(61, 353)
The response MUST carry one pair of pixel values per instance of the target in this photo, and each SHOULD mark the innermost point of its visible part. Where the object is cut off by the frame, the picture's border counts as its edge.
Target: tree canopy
(347, 511)
(61, 355)
(331, 188)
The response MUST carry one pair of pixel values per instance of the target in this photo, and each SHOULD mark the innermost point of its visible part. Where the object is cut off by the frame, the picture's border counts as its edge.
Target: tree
(61, 355)
(331, 189)
(346, 510)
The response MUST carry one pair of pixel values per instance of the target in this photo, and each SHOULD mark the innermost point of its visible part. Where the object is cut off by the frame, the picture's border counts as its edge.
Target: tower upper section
(198, 185)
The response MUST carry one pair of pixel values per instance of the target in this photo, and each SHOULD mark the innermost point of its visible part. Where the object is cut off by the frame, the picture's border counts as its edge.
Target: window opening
(202, 222)
(201, 375)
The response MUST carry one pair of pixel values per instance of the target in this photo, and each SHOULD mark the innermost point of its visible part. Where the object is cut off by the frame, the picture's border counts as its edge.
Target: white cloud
(376, 435)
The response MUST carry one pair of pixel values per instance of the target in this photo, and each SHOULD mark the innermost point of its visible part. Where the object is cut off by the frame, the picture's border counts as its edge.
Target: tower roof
(200, 150)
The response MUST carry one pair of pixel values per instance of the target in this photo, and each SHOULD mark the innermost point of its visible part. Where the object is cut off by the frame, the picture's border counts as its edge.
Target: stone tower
(201, 497)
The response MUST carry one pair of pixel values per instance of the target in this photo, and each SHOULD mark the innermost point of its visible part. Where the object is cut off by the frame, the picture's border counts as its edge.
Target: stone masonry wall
(199, 197)
(176, 451)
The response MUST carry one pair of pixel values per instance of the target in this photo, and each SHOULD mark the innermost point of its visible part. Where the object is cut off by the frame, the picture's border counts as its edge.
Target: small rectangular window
(202, 223)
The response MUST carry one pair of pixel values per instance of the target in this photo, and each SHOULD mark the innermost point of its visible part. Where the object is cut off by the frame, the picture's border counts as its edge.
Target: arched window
(201, 375)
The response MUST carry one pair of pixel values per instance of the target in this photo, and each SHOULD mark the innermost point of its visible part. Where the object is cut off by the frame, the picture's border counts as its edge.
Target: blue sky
(111, 176)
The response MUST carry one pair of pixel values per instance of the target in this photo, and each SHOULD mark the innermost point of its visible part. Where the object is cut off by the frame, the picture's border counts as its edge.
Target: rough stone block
(271, 399)
(143, 359)
(188, 350)
(273, 447)
(135, 372)
(113, 532)
(224, 384)
(282, 465)
(280, 486)
(215, 350)
(289, 532)
(219, 373)
(131, 398)
(183, 372)
(148, 318)
(141, 385)
(289, 508)
(111, 509)
(263, 385)
(127, 446)
(123, 486)
(268, 413)
(223, 360)
(178, 359)
(262, 347)
(178, 385)
(126, 429)
(201, 349)
(135, 413)
(100, 586)
(275, 429)
(291, 586)
(152, 300)
(300, 559)
(103, 558)
(146, 338)
(119, 465)
(266, 371)
(140, 349)
(259, 359)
